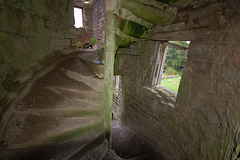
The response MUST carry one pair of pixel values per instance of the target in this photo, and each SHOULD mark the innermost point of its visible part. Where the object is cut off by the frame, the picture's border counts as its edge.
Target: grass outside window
(171, 83)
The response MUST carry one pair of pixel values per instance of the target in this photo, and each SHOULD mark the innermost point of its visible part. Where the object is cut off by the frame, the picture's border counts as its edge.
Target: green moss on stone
(183, 92)
(167, 1)
(25, 41)
(123, 41)
(177, 3)
(127, 15)
(76, 133)
(214, 150)
(10, 83)
(187, 131)
(133, 29)
(148, 13)
(4, 103)
(200, 151)
(171, 116)
(90, 146)
(181, 3)
(100, 54)
(82, 113)
(120, 62)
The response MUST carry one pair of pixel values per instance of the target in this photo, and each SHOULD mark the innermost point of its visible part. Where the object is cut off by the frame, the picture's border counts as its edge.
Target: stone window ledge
(165, 95)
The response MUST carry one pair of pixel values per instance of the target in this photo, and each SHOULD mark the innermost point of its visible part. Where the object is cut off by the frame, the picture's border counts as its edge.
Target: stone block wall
(32, 34)
(93, 22)
(99, 19)
(86, 33)
(203, 121)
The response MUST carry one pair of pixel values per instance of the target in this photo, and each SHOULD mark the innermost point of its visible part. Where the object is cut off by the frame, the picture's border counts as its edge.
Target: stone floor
(127, 145)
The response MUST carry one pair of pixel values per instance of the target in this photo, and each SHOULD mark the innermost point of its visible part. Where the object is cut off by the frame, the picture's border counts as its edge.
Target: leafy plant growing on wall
(93, 40)
(78, 44)
(98, 42)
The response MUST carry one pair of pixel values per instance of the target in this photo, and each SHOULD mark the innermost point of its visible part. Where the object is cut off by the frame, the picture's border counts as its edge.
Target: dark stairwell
(127, 145)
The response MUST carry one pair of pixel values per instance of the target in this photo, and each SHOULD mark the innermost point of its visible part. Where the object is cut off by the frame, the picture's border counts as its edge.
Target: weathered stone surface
(132, 28)
(173, 36)
(160, 5)
(126, 57)
(180, 3)
(203, 122)
(120, 64)
(169, 27)
(194, 24)
(127, 15)
(235, 59)
(207, 16)
(123, 40)
(31, 33)
(151, 14)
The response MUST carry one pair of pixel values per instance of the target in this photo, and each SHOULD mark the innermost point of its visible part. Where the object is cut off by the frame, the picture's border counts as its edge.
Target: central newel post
(109, 51)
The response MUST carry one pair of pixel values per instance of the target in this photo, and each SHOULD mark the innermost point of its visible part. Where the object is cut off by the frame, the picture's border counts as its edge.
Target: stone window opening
(78, 17)
(116, 80)
(168, 68)
(117, 98)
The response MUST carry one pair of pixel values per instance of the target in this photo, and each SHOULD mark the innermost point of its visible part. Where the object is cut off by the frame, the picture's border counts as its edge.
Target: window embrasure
(78, 17)
(169, 64)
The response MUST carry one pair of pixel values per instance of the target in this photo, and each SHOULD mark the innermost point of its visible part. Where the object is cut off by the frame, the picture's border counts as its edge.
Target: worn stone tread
(69, 129)
(94, 83)
(75, 94)
(58, 108)
(69, 112)
(127, 15)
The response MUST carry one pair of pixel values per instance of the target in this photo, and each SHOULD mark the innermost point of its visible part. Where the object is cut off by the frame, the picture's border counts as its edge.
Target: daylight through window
(78, 17)
(169, 64)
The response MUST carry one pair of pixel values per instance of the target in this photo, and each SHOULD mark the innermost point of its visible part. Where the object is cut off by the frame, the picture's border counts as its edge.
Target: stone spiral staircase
(61, 117)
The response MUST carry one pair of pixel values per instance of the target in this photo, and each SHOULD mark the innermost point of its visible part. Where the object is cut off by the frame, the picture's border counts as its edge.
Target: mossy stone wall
(202, 121)
(32, 34)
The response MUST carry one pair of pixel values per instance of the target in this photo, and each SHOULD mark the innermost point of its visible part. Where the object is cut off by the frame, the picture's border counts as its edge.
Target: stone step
(94, 83)
(180, 3)
(152, 11)
(61, 79)
(76, 65)
(137, 150)
(122, 39)
(129, 146)
(127, 15)
(69, 112)
(76, 94)
(94, 150)
(46, 99)
(132, 29)
(59, 151)
(111, 155)
(37, 130)
(144, 157)
(96, 69)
